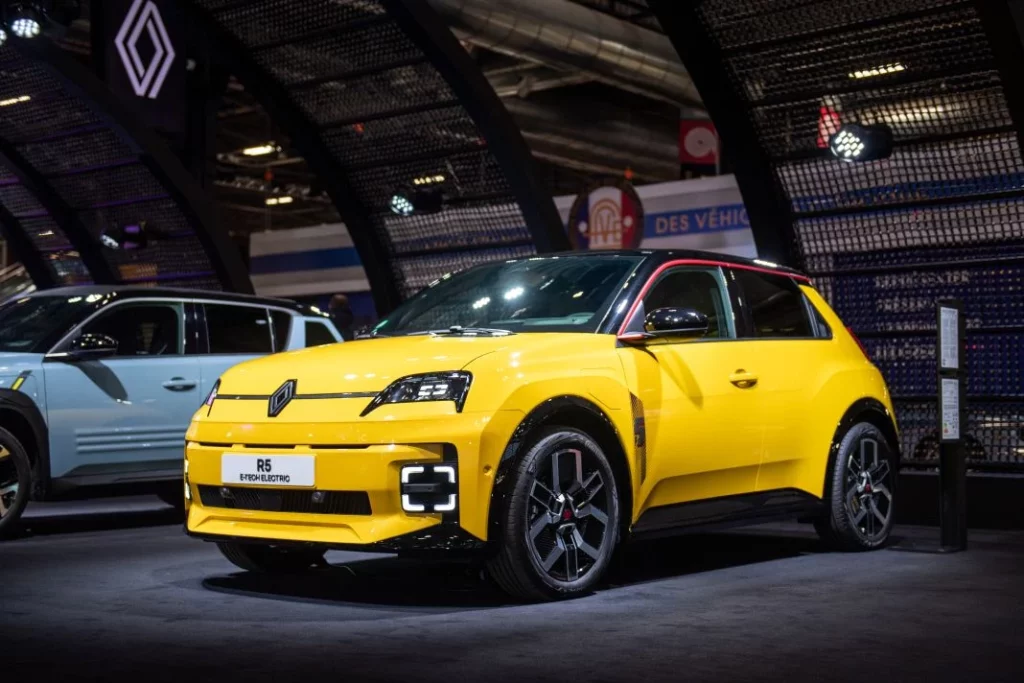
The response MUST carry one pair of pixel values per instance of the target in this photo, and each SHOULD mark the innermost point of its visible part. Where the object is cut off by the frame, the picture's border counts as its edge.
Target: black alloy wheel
(15, 481)
(861, 487)
(560, 524)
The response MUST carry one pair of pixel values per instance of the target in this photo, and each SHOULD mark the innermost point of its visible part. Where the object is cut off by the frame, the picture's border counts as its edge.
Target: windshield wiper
(459, 331)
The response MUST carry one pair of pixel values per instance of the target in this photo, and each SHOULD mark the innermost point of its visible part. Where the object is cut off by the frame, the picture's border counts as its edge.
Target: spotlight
(406, 202)
(25, 23)
(3, 36)
(855, 142)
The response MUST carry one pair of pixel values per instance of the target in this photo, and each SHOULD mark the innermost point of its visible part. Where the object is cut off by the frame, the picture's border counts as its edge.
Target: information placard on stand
(949, 355)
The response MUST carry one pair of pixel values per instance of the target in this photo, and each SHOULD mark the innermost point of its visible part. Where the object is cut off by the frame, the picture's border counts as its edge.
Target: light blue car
(98, 384)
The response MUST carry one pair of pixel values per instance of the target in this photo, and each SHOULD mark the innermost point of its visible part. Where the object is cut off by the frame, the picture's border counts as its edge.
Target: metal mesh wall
(386, 116)
(94, 174)
(943, 217)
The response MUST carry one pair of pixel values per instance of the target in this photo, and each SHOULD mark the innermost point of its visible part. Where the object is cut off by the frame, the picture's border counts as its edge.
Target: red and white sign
(828, 125)
(698, 142)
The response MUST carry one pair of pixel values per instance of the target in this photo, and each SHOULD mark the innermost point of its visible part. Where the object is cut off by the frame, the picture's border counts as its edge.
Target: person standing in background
(341, 314)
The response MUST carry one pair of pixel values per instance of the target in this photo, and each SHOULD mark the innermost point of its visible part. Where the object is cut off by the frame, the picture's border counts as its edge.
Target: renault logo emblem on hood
(280, 398)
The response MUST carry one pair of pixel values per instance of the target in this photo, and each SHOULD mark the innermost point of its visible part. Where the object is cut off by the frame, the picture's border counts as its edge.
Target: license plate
(268, 470)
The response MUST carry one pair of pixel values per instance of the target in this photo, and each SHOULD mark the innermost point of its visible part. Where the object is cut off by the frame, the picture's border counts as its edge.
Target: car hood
(359, 366)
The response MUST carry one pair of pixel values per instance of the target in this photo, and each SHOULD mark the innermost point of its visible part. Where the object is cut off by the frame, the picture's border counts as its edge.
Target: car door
(237, 332)
(124, 416)
(701, 412)
(788, 339)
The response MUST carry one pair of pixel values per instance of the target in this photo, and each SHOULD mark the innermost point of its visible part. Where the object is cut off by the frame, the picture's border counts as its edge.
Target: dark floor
(112, 594)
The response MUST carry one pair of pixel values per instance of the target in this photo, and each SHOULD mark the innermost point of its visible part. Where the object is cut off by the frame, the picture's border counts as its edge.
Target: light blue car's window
(143, 329)
(34, 324)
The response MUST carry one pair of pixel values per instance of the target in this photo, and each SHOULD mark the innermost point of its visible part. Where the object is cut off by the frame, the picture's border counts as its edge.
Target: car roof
(663, 255)
(141, 292)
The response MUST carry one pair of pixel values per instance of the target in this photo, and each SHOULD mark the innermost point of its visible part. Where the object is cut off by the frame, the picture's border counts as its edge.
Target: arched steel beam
(771, 219)
(89, 250)
(37, 267)
(428, 31)
(275, 99)
(155, 156)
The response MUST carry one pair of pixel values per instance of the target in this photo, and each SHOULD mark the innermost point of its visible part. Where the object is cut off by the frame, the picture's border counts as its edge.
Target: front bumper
(363, 462)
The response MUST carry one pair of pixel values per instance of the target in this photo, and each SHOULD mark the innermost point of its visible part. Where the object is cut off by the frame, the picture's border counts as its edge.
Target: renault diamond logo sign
(147, 78)
(281, 398)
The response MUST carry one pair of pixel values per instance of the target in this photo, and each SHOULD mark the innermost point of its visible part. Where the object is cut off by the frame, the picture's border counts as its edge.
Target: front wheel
(15, 481)
(270, 559)
(860, 491)
(559, 525)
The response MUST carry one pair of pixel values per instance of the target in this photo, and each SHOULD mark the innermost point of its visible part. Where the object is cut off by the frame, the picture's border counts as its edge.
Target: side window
(238, 329)
(700, 289)
(775, 303)
(149, 329)
(317, 334)
(821, 328)
(282, 328)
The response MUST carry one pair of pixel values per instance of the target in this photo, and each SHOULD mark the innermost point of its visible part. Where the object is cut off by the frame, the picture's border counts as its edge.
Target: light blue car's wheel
(15, 481)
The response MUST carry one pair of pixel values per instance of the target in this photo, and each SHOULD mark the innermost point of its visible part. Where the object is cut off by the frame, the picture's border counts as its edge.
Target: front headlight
(434, 386)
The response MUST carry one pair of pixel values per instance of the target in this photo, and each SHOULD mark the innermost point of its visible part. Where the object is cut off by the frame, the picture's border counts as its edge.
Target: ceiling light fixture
(14, 100)
(261, 150)
(883, 70)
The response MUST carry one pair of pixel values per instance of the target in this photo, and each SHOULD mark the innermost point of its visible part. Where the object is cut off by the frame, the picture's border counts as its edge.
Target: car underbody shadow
(399, 582)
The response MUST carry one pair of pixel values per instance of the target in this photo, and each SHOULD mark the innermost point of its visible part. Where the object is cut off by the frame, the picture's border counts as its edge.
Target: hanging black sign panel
(145, 59)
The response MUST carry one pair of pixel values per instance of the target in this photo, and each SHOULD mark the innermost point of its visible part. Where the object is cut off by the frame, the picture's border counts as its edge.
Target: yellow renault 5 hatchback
(539, 412)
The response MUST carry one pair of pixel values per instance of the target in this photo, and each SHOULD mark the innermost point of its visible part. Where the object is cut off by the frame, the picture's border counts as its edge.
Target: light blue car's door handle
(180, 384)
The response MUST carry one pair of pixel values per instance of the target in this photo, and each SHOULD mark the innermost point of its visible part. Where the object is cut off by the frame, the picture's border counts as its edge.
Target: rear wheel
(861, 491)
(15, 481)
(559, 526)
(270, 559)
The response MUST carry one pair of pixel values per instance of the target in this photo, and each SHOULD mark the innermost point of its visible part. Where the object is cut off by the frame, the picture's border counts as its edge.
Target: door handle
(743, 379)
(180, 384)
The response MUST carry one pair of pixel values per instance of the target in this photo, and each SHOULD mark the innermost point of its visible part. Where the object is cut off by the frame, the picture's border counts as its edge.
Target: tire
(15, 482)
(860, 491)
(540, 523)
(269, 559)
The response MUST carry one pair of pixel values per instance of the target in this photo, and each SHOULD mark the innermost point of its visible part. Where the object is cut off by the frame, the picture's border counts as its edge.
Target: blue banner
(696, 221)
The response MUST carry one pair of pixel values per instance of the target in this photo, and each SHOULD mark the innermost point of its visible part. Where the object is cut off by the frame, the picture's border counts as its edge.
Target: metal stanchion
(952, 457)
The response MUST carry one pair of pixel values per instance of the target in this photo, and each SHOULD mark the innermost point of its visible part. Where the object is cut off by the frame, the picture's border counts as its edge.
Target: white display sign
(950, 409)
(268, 470)
(949, 338)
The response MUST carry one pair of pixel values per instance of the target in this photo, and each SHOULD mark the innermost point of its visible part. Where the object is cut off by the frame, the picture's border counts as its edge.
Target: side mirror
(680, 323)
(676, 322)
(91, 347)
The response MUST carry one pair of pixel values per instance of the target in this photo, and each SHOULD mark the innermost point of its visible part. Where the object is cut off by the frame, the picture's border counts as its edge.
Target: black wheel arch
(566, 411)
(20, 415)
(868, 410)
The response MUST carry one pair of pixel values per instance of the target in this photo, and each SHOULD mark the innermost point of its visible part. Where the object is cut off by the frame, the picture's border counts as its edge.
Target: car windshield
(34, 324)
(542, 294)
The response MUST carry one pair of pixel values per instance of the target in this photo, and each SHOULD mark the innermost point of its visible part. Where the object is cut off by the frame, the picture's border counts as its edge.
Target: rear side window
(317, 334)
(282, 328)
(775, 304)
(238, 329)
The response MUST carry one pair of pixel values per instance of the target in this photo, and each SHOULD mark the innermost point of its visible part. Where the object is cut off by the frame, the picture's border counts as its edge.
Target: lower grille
(280, 500)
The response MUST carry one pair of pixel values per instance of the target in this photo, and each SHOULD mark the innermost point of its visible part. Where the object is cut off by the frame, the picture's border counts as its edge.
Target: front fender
(22, 405)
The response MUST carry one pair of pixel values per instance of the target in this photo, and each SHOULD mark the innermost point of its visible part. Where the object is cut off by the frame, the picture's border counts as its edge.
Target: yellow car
(540, 411)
